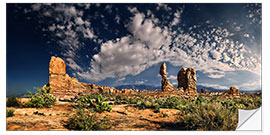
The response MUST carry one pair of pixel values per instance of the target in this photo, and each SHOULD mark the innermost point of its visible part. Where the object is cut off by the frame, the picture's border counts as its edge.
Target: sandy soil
(122, 117)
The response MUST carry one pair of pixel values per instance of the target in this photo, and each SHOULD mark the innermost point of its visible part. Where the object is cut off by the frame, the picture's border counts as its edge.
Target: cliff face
(65, 87)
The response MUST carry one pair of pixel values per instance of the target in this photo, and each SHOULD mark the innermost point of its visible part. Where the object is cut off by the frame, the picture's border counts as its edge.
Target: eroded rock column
(63, 86)
(187, 80)
(165, 83)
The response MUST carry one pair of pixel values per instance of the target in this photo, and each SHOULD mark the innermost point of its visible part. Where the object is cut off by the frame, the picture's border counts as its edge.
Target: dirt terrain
(122, 117)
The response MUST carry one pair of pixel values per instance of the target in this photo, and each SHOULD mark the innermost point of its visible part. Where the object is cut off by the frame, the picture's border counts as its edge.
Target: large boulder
(165, 83)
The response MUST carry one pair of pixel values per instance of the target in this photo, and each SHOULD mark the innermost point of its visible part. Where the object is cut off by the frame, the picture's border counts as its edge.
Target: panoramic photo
(132, 66)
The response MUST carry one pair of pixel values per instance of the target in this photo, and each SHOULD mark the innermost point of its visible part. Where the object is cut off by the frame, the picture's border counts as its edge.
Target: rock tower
(165, 83)
(187, 80)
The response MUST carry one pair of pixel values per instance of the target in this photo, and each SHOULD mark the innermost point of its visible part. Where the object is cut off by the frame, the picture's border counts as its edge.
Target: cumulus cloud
(210, 51)
(149, 41)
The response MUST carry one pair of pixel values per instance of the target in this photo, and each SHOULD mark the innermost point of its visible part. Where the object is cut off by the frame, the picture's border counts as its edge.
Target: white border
(265, 71)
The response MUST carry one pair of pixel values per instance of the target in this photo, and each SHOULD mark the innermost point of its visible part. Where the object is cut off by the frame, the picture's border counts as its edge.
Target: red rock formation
(233, 92)
(182, 78)
(65, 87)
(165, 83)
(187, 80)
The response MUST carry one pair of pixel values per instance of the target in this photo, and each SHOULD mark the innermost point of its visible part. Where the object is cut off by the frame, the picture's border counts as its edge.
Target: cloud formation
(208, 48)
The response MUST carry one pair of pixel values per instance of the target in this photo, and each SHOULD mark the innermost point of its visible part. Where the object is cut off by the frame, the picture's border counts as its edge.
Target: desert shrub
(84, 121)
(248, 102)
(132, 101)
(174, 103)
(148, 103)
(211, 116)
(215, 113)
(10, 112)
(41, 99)
(96, 104)
(13, 102)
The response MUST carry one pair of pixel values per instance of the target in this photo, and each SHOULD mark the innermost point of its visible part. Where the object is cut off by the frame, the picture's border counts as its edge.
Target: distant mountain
(199, 87)
(152, 87)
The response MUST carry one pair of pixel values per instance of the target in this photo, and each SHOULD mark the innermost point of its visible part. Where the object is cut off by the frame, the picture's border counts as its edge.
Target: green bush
(13, 102)
(41, 99)
(84, 121)
(174, 102)
(211, 116)
(10, 112)
(96, 104)
(214, 114)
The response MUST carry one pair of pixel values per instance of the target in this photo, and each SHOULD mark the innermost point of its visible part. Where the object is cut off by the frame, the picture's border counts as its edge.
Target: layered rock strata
(65, 87)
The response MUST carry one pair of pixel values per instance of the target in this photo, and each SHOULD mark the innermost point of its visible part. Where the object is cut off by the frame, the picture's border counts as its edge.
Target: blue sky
(117, 44)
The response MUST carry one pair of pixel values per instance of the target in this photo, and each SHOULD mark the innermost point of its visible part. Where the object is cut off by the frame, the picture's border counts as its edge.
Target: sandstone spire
(166, 85)
(57, 66)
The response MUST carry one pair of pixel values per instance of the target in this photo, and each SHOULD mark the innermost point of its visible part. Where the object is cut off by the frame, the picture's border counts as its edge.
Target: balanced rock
(187, 80)
(165, 83)
(234, 92)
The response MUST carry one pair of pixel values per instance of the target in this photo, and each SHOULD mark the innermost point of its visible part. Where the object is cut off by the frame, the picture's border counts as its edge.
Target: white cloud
(79, 21)
(209, 50)
(73, 65)
(121, 79)
(176, 19)
(255, 85)
(141, 82)
(172, 77)
(215, 86)
(216, 75)
(117, 19)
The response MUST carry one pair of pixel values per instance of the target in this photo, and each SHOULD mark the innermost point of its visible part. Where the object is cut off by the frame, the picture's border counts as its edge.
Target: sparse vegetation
(214, 114)
(85, 121)
(97, 104)
(204, 112)
(41, 99)
(10, 112)
(12, 101)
